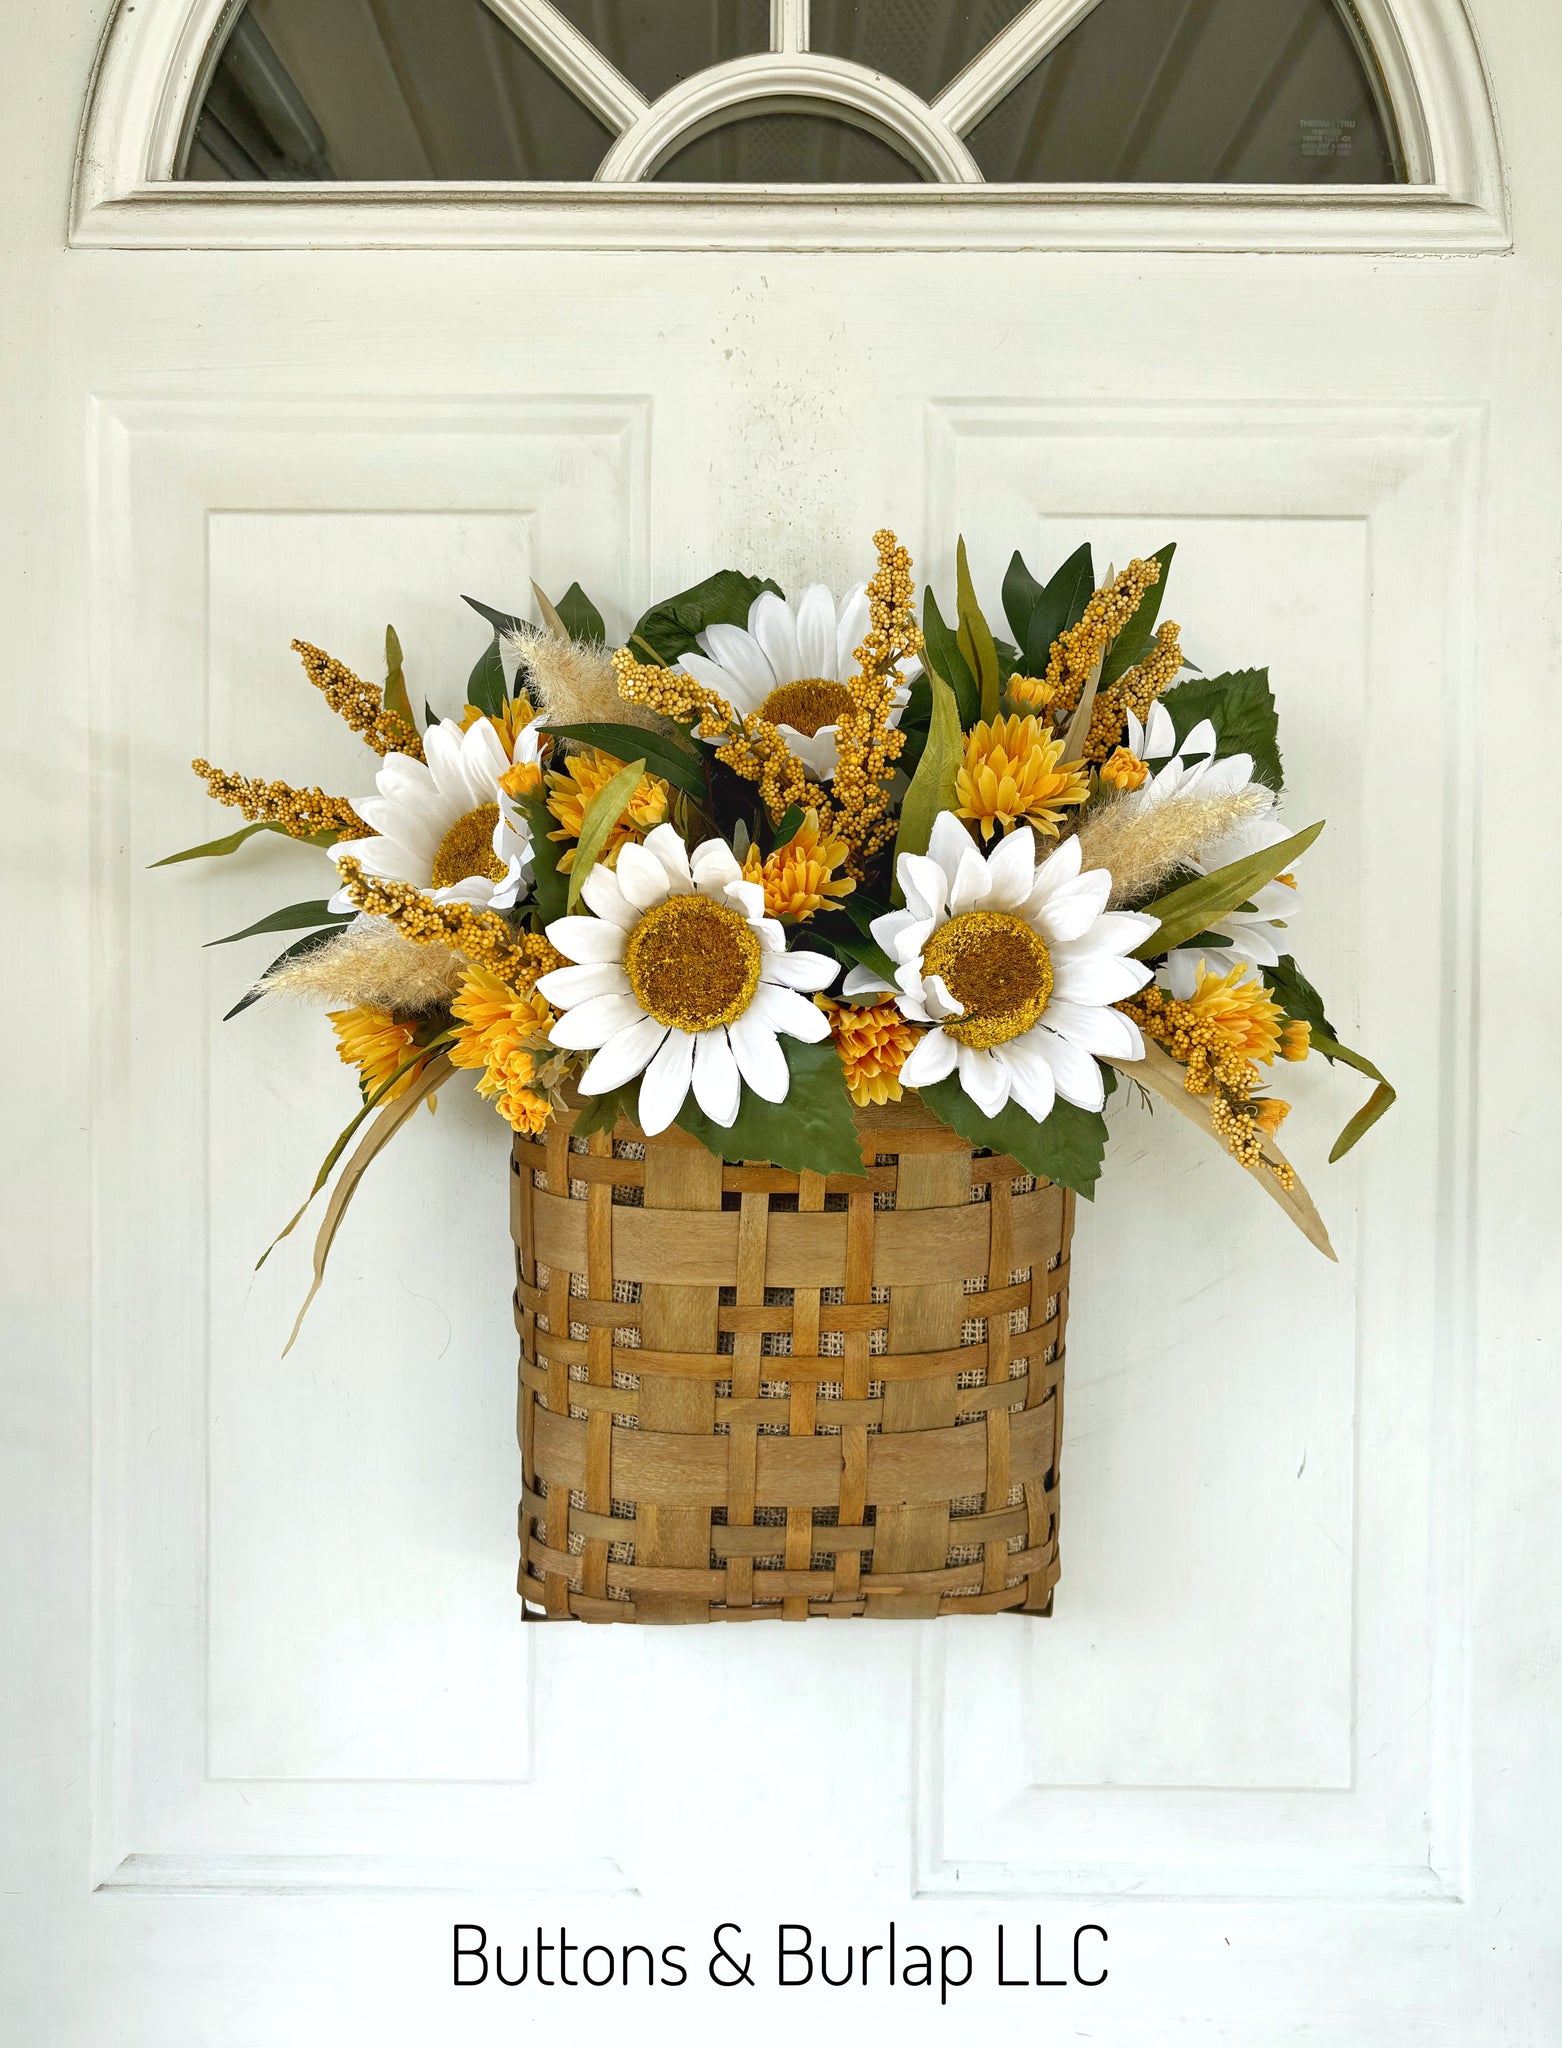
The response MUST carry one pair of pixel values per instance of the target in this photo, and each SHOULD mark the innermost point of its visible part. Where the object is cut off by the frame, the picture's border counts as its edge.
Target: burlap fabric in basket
(750, 1394)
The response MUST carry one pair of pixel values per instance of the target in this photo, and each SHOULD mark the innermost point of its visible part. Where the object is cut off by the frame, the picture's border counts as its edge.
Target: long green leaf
(602, 814)
(502, 622)
(1134, 642)
(933, 786)
(941, 656)
(293, 918)
(1066, 1147)
(1021, 595)
(1061, 605)
(549, 887)
(665, 757)
(975, 637)
(581, 619)
(215, 849)
(485, 685)
(1378, 1103)
(814, 1129)
(303, 945)
(395, 697)
(671, 628)
(1195, 906)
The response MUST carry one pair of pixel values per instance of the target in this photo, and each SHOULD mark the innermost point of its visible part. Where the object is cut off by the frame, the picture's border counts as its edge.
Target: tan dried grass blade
(550, 617)
(1079, 725)
(379, 1134)
(1164, 1077)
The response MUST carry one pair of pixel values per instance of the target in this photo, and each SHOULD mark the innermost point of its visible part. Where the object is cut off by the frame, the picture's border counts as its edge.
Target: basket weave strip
(750, 1394)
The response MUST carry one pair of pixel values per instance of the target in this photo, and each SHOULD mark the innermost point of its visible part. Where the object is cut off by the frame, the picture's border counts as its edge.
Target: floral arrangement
(777, 859)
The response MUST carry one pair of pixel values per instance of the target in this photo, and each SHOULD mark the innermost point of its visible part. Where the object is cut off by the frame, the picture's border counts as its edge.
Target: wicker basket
(749, 1394)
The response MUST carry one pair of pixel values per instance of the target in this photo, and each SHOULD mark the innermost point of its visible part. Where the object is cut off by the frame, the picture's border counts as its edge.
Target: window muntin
(778, 93)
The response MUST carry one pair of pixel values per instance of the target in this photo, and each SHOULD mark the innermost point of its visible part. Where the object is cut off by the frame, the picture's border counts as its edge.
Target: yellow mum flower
(1124, 771)
(1270, 1114)
(798, 878)
(874, 1042)
(502, 1033)
(1236, 1006)
(571, 789)
(1011, 775)
(376, 1043)
(516, 715)
(1296, 1040)
(1031, 693)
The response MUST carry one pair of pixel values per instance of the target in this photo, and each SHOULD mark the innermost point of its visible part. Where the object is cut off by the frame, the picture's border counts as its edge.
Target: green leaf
(549, 887)
(1021, 595)
(394, 697)
(789, 826)
(1298, 998)
(941, 656)
(933, 786)
(975, 637)
(1186, 911)
(602, 1112)
(214, 849)
(485, 685)
(664, 756)
(847, 933)
(1061, 605)
(1067, 1147)
(1138, 636)
(671, 628)
(502, 622)
(582, 620)
(295, 917)
(602, 814)
(1241, 707)
(813, 1130)
(304, 945)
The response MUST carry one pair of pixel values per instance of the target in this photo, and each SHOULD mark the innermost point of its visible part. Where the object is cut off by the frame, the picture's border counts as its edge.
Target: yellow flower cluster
(501, 1033)
(482, 937)
(753, 746)
(799, 878)
(1076, 652)
(1124, 771)
(1029, 693)
(867, 746)
(376, 1042)
(358, 703)
(874, 1042)
(583, 776)
(1136, 692)
(1226, 1029)
(303, 812)
(1011, 775)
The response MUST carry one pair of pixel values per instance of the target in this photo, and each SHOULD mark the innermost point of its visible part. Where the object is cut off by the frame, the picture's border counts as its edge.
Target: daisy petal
(667, 844)
(968, 890)
(931, 1059)
(771, 622)
(819, 752)
(642, 878)
(1070, 911)
(600, 892)
(1097, 978)
(1011, 870)
(1093, 1028)
(862, 981)
(666, 1082)
(799, 970)
(784, 1010)
(568, 985)
(851, 629)
(718, 1086)
(925, 887)
(941, 999)
(713, 865)
(816, 650)
(1030, 1077)
(1060, 867)
(741, 695)
(948, 844)
(587, 938)
(760, 1059)
(985, 1079)
(1122, 931)
(1076, 1073)
(592, 1024)
(741, 656)
(625, 1054)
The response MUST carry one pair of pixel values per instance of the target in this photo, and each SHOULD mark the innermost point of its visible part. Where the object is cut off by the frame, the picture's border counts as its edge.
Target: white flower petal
(1200, 741)
(625, 1054)
(748, 899)
(784, 1010)
(713, 865)
(799, 970)
(816, 650)
(760, 1059)
(1122, 931)
(851, 629)
(600, 892)
(642, 878)
(948, 844)
(968, 890)
(940, 999)
(740, 655)
(566, 986)
(742, 695)
(931, 1059)
(667, 845)
(718, 1086)
(442, 751)
(985, 1079)
(771, 622)
(925, 887)
(1056, 871)
(591, 1024)
(666, 1082)
(819, 752)
(1076, 1073)
(1179, 974)
(483, 760)
(862, 981)
(1070, 911)
(587, 938)
(1011, 870)
(1092, 1027)
(1032, 1084)
(1097, 978)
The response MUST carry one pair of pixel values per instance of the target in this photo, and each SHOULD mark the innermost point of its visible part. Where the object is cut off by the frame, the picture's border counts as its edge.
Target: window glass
(789, 149)
(656, 43)
(922, 43)
(1239, 92)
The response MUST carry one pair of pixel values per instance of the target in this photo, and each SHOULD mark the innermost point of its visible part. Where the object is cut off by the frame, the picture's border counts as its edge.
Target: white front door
(272, 1724)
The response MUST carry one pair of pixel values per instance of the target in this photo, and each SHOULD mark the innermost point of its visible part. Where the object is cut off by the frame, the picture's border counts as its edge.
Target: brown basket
(750, 1394)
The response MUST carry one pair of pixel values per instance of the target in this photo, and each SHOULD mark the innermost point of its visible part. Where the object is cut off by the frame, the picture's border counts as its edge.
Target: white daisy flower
(792, 666)
(1014, 967)
(682, 979)
(445, 823)
(1187, 768)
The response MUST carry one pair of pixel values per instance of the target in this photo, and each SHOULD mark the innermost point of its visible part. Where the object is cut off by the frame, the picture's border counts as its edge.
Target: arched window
(1042, 122)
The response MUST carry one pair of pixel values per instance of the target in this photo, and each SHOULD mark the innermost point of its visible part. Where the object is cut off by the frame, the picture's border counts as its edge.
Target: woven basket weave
(750, 1394)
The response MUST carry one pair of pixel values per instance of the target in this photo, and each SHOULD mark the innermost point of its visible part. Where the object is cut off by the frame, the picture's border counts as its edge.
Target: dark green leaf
(1296, 994)
(847, 934)
(1021, 595)
(395, 698)
(304, 945)
(933, 786)
(975, 637)
(665, 757)
(789, 826)
(1186, 911)
(485, 687)
(214, 849)
(671, 628)
(1061, 605)
(549, 887)
(1241, 707)
(1138, 636)
(582, 620)
(814, 1130)
(1067, 1148)
(941, 656)
(602, 814)
(602, 1112)
(502, 622)
(295, 917)
(1298, 998)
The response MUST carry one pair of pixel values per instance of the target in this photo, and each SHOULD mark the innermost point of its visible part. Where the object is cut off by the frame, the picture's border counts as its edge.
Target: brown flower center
(692, 963)
(807, 706)
(997, 969)
(467, 849)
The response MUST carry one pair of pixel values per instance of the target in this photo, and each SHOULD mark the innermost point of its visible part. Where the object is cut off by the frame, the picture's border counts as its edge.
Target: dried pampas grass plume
(1142, 847)
(572, 681)
(369, 964)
